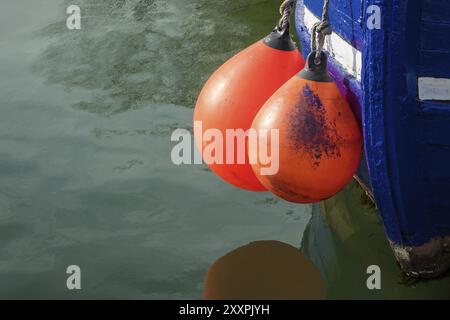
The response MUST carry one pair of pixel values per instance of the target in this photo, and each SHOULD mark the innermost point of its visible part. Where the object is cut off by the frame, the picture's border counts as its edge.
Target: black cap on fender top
(280, 39)
(316, 71)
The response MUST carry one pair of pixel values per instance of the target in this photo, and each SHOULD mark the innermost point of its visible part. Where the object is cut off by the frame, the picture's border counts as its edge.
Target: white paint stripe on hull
(343, 52)
(434, 89)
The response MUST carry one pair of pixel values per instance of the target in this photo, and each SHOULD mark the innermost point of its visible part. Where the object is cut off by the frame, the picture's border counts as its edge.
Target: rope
(286, 9)
(319, 31)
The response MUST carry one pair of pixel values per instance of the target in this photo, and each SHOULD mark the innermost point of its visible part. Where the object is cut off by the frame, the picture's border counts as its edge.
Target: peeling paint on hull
(426, 261)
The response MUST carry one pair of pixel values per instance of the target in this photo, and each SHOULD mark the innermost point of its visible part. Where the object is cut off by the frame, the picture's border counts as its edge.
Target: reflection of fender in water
(344, 237)
(264, 270)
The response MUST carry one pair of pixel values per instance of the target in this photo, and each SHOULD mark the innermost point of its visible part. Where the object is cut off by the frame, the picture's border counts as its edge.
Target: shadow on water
(132, 54)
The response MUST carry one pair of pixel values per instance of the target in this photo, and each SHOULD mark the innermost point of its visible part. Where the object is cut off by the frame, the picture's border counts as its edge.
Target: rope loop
(286, 9)
(319, 31)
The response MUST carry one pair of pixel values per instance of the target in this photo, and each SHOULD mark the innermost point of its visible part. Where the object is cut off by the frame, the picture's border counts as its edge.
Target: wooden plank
(433, 131)
(435, 163)
(346, 17)
(435, 11)
(434, 64)
(434, 36)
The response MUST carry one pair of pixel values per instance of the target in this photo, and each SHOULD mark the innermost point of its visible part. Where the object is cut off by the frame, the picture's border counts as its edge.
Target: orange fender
(235, 93)
(320, 139)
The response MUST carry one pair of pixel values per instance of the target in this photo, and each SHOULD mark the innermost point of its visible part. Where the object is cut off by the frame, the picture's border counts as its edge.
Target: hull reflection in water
(344, 237)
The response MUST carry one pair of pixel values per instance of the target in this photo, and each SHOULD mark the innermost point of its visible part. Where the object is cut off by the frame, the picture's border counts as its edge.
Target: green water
(85, 170)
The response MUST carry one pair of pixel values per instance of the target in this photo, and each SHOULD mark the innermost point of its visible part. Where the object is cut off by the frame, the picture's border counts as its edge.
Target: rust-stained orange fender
(320, 140)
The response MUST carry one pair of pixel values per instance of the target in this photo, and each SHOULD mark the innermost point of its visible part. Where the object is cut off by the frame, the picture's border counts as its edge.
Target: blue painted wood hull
(407, 139)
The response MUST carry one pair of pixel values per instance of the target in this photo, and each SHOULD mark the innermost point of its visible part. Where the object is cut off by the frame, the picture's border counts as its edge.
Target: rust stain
(309, 129)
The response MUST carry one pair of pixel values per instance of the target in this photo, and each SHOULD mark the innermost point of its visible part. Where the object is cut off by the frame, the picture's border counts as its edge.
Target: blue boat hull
(396, 78)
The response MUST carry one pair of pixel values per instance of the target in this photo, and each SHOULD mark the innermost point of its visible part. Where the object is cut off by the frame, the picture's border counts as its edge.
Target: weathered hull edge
(427, 261)
(427, 255)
